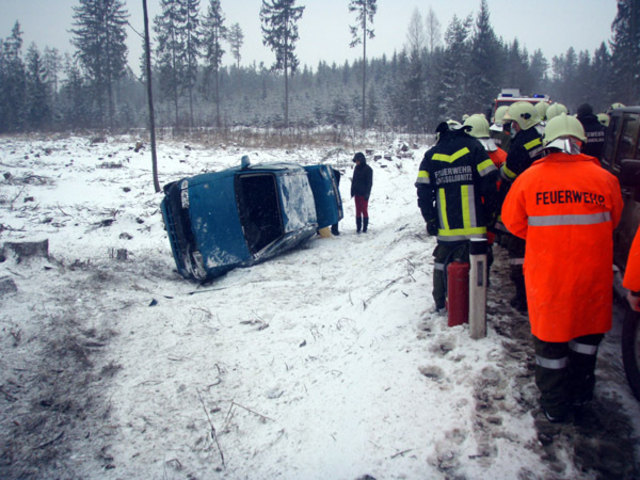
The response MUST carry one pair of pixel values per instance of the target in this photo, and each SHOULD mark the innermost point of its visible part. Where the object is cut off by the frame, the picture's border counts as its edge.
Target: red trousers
(362, 207)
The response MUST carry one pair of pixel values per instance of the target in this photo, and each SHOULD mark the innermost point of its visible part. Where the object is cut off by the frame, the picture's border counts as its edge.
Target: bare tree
(434, 32)
(214, 33)
(416, 34)
(280, 31)
(359, 32)
(236, 39)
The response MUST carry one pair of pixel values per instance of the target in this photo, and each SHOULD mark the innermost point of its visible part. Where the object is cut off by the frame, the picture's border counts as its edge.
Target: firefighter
(479, 129)
(631, 279)
(497, 131)
(526, 147)
(566, 206)
(457, 194)
(594, 131)
(604, 119)
(361, 184)
(541, 108)
(555, 109)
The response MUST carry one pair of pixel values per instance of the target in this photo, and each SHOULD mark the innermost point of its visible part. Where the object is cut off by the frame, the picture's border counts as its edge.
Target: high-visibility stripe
(448, 237)
(438, 266)
(462, 232)
(516, 261)
(486, 167)
(442, 211)
(422, 180)
(583, 348)
(529, 145)
(560, 220)
(469, 214)
(507, 173)
(450, 158)
(552, 363)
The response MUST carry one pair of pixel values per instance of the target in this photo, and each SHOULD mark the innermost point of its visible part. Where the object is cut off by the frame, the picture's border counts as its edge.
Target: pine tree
(170, 51)
(37, 98)
(193, 45)
(280, 32)
(538, 68)
(602, 79)
(52, 64)
(453, 79)
(75, 96)
(99, 36)
(214, 33)
(236, 39)
(366, 10)
(516, 68)
(486, 63)
(12, 82)
(625, 52)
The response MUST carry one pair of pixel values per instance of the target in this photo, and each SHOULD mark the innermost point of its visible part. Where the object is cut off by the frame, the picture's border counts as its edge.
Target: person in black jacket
(361, 189)
(594, 130)
(457, 196)
(526, 147)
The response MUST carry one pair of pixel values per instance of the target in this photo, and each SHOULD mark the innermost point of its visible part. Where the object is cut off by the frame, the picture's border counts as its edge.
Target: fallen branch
(214, 435)
(46, 444)
(401, 454)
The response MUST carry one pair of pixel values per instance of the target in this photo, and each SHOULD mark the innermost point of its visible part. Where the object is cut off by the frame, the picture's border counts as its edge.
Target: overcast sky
(550, 25)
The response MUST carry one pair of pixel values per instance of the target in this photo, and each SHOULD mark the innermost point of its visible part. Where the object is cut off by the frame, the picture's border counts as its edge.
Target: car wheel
(631, 350)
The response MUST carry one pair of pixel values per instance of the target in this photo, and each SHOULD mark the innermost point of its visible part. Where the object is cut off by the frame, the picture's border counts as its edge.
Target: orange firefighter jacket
(631, 279)
(566, 207)
(498, 157)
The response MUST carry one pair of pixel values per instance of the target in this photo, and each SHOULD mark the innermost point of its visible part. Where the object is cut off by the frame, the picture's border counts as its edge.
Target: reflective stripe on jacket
(566, 207)
(525, 148)
(632, 272)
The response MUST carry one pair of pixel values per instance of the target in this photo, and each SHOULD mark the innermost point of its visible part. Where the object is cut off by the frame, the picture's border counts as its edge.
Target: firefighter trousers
(565, 372)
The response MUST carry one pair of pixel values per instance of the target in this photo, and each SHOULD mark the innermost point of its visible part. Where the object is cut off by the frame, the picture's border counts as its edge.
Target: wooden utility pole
(152, 124)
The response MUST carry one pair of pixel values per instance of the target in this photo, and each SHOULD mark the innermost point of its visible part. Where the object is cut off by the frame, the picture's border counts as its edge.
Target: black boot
(358, 224)
(334, 229)
(365, 224)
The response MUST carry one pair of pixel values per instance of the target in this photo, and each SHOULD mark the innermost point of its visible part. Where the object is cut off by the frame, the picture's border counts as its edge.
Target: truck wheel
(631, 350)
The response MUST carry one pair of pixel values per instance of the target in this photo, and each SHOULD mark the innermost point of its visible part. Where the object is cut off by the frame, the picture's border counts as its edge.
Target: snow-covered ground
(323, 363)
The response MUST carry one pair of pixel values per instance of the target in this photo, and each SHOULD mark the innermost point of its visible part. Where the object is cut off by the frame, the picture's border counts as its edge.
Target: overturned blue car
(244, 215)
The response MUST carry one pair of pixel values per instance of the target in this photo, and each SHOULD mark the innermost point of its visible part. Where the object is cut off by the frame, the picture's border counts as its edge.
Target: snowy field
(323, 363)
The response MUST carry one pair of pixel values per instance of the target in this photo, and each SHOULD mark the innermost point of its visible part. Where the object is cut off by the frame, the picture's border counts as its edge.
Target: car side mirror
(630, 172)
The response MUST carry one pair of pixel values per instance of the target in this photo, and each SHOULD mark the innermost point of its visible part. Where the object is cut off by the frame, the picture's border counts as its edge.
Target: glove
(432, 227)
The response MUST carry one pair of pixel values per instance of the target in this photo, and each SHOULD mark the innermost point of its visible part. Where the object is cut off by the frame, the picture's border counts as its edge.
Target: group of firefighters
(533, 180)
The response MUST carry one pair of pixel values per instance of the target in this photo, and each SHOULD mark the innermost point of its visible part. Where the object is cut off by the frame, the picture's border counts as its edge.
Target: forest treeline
(198, 80)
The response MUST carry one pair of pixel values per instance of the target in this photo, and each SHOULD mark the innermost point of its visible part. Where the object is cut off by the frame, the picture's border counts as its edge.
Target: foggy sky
(550, 25)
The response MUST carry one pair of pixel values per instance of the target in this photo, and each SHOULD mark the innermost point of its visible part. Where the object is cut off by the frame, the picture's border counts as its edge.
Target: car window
(629, 137)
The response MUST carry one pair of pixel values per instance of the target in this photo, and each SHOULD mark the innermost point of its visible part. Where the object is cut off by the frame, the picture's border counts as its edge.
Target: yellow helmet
(555, 109)
(524, 113)
(603, 118)
(479, 125)
(499, 115)
(559, 128)
(541, 108)
(616, 105)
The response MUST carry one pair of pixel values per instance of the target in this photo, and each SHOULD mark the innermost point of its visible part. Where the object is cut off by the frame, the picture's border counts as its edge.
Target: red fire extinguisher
(458, 293)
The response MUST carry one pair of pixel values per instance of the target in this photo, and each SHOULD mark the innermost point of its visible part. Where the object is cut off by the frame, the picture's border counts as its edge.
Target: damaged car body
(244, 215)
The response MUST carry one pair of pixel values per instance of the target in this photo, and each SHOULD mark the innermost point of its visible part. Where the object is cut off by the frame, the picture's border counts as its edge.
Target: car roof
(635, 109)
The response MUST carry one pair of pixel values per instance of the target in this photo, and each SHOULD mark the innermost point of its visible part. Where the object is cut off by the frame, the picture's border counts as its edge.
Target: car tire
(631, 350)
